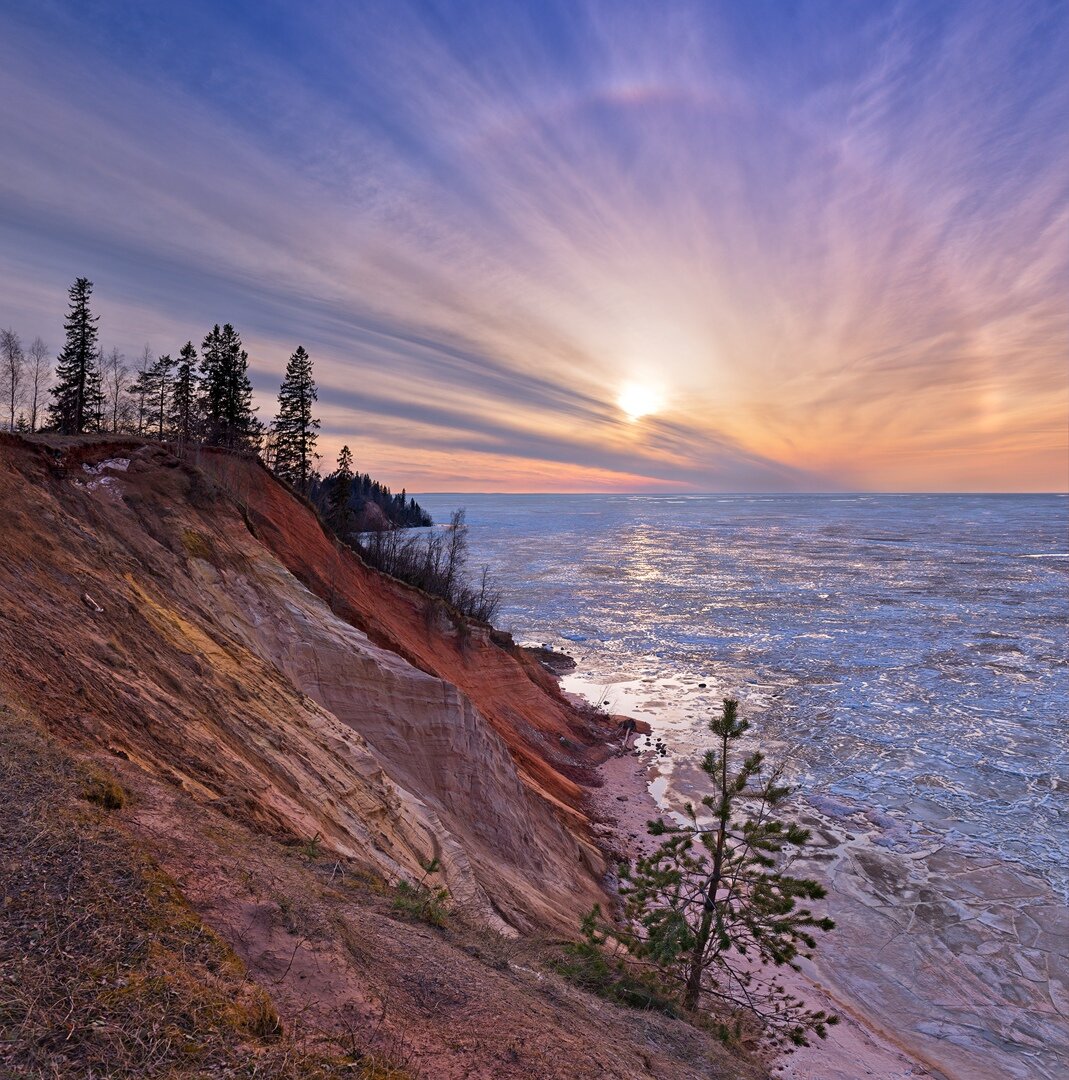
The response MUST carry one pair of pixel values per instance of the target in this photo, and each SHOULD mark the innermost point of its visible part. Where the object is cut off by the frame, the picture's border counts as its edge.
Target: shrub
(429, 904)
(105, 791)
(435, 562)
(586, 965)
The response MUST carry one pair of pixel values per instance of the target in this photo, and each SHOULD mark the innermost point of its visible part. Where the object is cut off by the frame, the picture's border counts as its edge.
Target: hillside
(295, 734)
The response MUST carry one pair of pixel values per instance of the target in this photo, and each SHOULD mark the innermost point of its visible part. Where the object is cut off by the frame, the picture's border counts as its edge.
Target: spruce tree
(96, 398)
(185, 397)
(229, 414)
(162, 371)
(78, 395)
(295, 426)
(714, 900)
(339, 509)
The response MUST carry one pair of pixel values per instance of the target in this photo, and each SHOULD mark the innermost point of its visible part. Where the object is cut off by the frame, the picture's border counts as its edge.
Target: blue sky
(576, 246)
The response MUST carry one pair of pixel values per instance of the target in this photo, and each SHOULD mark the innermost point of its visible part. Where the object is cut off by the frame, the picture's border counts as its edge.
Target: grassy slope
(107, 971)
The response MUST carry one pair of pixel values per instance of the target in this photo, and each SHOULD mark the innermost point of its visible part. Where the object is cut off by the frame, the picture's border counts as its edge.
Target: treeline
(197, 397)
(365, 493)
(204, 398)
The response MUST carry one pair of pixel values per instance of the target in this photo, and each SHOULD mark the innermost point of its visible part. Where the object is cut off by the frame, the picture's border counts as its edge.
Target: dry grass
(106, 970)
(104, 790)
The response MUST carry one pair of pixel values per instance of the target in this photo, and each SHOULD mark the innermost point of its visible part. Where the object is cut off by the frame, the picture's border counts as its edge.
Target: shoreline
(951, 956)
(857, 1046)
(947, 955)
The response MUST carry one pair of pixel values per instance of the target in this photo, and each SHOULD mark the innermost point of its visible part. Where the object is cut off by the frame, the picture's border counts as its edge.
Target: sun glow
(636, 400)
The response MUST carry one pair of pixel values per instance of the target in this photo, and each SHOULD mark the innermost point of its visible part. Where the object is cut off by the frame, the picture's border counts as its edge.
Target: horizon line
(748, 494)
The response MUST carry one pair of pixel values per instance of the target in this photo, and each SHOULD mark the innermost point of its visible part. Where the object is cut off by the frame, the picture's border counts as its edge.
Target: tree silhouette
(185, 397)
(339, 508)
(162, 386)
(229, 415)
(295, 426)
(77, 396)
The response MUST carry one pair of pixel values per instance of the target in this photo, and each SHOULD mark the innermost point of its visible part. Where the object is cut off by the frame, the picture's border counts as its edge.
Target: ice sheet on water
(852, 628)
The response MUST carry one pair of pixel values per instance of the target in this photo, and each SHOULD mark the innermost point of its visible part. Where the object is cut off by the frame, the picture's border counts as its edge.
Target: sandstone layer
(196, 619)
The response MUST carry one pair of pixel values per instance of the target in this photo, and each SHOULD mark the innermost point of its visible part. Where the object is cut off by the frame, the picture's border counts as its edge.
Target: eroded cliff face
(196, 619)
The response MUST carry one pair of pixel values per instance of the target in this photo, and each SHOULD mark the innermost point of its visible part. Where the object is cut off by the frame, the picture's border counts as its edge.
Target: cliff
(201, 623)
(296, 733)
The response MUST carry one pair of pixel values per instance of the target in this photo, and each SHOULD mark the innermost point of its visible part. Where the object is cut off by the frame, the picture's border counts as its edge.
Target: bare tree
(456, 554)
(267, 446)
(39, 372)
(14, 372)
(116, 381)
(436, 562)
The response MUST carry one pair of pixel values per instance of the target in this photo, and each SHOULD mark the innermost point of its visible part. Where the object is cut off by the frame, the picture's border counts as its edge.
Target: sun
(636, 400)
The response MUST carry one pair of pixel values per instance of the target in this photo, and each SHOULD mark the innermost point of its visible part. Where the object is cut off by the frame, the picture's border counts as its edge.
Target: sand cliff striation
(224, 741)
(194, 618)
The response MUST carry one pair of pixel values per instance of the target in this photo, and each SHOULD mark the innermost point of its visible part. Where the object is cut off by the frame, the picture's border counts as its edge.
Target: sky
(656, 246)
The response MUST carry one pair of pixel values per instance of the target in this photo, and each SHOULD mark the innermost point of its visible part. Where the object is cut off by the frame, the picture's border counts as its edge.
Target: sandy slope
(143, 612)
(295, 734)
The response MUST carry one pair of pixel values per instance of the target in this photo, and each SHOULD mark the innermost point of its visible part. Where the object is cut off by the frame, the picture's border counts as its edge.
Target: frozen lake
(906, 654)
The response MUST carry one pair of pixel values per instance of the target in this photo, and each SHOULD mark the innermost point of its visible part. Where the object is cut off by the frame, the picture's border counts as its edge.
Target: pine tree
(161, 393)
(339, 509)
(78, 395)
(712, 901)
(229, 414)
(185, 397)
(295, 426)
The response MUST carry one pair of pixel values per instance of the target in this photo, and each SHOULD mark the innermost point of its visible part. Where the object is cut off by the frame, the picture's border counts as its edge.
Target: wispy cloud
(836, 242)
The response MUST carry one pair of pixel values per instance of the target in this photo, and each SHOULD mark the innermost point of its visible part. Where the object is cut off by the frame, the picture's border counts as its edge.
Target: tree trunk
(692, 994)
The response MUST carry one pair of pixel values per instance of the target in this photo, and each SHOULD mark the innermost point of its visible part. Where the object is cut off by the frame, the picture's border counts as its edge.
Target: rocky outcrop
(233, 648)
